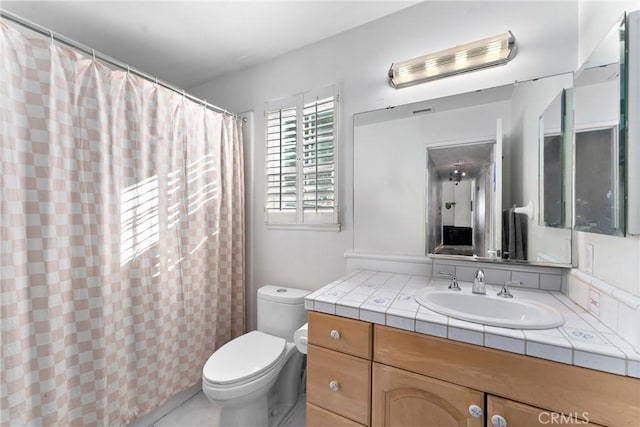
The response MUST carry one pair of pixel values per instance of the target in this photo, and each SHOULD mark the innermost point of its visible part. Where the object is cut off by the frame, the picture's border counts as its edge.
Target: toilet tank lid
(283, 294)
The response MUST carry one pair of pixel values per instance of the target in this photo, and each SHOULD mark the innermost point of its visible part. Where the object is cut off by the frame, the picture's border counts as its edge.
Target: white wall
(358, 61)
(595, 19)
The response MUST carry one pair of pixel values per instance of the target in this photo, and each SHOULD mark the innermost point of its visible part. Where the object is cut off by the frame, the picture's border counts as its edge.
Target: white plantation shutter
(281, 160)
(301, 160)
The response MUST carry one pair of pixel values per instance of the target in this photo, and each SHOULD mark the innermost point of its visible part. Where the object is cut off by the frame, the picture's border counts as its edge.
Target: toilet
(254, 379)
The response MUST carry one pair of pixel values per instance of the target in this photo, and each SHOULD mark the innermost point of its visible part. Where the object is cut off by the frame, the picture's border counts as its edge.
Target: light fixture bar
(483, 53)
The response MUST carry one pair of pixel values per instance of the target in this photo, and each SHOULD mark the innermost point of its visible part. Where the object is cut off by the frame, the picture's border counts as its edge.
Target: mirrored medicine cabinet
(600, 137)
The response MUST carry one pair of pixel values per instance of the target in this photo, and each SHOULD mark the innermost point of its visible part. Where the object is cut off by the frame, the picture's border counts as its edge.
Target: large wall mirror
(600, 191)
(409, 158)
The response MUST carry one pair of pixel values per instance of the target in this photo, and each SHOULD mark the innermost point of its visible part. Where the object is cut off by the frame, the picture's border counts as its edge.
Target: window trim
(298, 220)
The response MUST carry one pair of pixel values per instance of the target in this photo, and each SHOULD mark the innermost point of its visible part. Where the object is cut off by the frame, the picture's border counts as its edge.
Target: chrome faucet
(454, 286)
(479, 286)
(504, 292)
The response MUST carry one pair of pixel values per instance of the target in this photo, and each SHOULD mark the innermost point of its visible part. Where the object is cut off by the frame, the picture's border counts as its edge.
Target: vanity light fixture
(483, 53)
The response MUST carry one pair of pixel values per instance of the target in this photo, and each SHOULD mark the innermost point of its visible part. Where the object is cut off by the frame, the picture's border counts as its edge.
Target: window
(301, 166)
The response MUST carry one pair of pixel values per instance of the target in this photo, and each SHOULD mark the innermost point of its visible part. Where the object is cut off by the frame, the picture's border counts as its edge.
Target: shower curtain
(122, 233)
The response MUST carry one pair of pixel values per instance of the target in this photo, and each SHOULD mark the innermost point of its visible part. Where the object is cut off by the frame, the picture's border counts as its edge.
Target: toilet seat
(244, 359)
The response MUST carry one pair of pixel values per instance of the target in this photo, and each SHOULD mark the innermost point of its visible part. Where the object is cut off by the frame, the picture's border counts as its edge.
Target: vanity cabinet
(338, 371)
(420, 380)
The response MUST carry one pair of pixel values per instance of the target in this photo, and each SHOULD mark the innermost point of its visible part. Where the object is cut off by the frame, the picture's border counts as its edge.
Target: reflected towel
(515, 234)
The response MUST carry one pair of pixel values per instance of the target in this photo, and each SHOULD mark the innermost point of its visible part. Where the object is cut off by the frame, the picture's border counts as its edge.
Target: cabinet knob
(498, 421)
(334, 386)
(475, 411)
(335, 335)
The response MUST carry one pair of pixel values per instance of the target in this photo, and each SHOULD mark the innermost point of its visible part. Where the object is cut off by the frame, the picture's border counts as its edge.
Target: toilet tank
(281, 310)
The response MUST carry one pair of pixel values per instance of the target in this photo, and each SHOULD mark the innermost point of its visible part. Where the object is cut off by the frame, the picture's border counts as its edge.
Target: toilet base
(266, 407)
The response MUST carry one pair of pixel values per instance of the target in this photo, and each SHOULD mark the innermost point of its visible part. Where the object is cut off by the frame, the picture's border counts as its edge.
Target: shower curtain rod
(106, 59)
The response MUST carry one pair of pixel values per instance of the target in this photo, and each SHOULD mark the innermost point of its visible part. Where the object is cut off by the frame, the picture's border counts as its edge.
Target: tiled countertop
(388, 299)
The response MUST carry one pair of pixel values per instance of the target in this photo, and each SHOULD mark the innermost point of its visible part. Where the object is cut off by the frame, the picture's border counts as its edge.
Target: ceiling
(470, 158)
(186, 43)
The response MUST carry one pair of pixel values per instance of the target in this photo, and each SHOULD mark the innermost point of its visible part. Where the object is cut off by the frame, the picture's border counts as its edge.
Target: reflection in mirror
(597, 195)
(403, 206)
(459, 199)
(555, 164)
(600, 138)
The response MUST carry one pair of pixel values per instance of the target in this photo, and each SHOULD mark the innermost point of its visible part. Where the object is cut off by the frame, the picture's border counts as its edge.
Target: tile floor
(197, 412)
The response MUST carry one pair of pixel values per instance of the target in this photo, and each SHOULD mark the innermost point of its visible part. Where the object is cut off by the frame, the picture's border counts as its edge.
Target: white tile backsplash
(496, 276)
(466, 274)
(617, 309)
(529, 280)
(551, 282)
(629, 325)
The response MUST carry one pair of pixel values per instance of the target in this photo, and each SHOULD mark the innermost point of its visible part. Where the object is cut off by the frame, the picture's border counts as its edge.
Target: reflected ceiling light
(457, 173)
(483, 53)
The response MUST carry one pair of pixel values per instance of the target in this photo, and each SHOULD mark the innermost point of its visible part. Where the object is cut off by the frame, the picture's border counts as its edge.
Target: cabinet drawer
(340, 334)
(318, 417)
(351, 378)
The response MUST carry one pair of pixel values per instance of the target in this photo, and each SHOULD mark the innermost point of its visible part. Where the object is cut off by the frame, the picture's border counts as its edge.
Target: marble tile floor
(197, 412)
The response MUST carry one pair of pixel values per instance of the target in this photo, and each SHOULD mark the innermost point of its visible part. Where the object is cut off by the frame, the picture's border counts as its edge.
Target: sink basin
(489, 310)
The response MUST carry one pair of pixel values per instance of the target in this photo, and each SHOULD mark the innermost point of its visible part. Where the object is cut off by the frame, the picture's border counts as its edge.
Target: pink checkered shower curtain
(122, 238)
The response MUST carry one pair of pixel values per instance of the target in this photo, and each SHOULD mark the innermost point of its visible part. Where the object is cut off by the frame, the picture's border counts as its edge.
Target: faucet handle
(454, 286)
(505, 292)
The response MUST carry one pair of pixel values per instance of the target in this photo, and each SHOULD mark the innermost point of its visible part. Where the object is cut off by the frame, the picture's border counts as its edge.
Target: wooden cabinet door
(402, 398)
(515, 414)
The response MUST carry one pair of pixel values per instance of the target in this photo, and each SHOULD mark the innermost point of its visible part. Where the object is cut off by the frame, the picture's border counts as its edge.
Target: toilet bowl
(254, 379)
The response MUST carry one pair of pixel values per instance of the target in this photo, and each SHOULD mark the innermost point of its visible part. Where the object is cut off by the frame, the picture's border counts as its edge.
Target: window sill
(304, 227)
